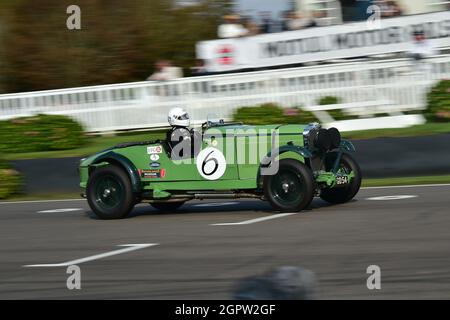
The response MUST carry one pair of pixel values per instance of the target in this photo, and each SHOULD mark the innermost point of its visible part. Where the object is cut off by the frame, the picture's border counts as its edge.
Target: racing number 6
(211, 163)
(207, 159)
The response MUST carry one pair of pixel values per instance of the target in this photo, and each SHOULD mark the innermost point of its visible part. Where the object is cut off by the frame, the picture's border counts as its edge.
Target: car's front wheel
(291, 188)
(347, 165)
(109, 193)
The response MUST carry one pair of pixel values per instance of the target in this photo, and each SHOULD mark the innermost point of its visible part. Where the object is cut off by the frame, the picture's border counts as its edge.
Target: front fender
(346, 145)
(267, 160)
(115, 158)
(305, 153)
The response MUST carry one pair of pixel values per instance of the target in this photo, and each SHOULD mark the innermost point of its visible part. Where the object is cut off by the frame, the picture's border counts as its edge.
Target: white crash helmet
(178, 117)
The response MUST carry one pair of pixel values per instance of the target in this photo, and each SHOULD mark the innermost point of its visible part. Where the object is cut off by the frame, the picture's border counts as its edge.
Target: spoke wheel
(109, 193)
(287, 186)
(347, 165)
(291, 188)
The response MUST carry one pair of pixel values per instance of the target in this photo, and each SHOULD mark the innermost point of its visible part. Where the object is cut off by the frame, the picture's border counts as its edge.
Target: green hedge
(40, 133)
(270, 113)
(438, 102)
(337, 114)
(10, 180)
(328, 100)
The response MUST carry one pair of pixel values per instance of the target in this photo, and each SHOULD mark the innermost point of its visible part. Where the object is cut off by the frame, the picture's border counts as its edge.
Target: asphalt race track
(205, 247)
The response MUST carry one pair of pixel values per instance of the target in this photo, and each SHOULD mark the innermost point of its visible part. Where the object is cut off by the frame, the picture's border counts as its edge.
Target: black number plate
(340, 180)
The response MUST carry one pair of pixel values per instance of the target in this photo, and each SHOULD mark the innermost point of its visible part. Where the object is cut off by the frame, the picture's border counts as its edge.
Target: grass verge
(94, 144)
(44, 196)
(420, 130)
(401, 181)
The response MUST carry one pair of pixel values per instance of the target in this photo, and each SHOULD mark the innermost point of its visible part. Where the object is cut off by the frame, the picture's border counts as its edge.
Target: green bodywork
(245, 148)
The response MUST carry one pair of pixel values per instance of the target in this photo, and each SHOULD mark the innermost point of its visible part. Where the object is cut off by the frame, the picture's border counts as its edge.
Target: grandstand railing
(376, 93)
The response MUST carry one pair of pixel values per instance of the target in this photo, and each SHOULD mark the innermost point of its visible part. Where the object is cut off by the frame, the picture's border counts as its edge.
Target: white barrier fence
(376, 93)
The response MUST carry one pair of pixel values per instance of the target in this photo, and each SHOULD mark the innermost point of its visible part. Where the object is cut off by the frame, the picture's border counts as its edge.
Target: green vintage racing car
(286, 165)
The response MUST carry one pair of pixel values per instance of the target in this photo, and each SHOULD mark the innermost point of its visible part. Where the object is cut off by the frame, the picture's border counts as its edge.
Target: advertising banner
(324, 43)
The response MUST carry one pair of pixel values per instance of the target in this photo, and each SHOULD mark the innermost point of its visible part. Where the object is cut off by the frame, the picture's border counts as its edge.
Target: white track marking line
(40, 201)
(60, 210)
(275, 216)
(395, 197)
(129, 247)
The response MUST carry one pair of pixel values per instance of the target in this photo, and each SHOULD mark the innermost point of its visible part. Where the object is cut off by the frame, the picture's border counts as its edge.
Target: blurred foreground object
(281, 283)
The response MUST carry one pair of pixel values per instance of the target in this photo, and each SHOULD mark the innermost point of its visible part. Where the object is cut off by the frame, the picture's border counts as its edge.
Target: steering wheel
(206, 125)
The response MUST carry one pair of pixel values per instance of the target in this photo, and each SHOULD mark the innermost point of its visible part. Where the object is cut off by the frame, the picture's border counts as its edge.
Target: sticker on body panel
(154, 149)
(154, 157)
(155, 164)
(152, 174)
(211, 163)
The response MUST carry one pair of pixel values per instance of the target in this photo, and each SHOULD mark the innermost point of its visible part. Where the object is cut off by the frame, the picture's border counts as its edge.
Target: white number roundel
(211, 163)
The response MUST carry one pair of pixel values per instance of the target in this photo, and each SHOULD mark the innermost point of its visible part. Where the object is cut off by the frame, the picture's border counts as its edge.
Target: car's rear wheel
(347, 165)
(109, 193)
(167, 206)
(291, 188)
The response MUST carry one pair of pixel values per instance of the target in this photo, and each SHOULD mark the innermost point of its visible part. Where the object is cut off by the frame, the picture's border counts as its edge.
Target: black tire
(109, 193)
(342, 194)
(291, 188)
(167, 206)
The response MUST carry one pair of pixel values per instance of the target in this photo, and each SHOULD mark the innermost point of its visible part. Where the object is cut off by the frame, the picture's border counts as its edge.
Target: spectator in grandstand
(252, 28)
(298, 20)
(164, 71)
(389, 8)
(421, 47)
(318, 18)
(294, 20)
(420, 50)
(231, 28)
(284, 20)
(199, 69)
(266, 22)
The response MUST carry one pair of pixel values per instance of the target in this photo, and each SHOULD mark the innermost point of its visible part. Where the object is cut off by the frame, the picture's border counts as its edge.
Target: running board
(202, 196)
